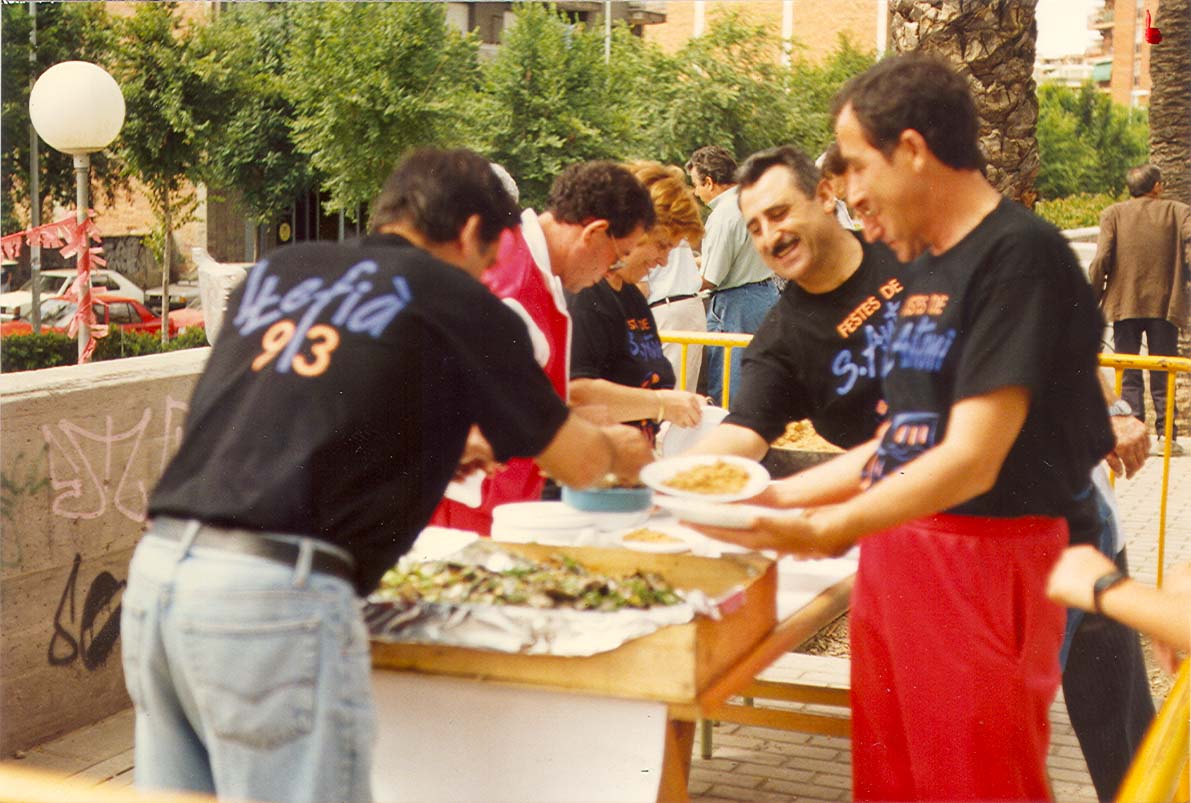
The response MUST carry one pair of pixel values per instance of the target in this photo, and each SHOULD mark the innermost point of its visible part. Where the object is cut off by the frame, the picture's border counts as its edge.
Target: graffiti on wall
(88, 633)
(21, 478)
(93, 473)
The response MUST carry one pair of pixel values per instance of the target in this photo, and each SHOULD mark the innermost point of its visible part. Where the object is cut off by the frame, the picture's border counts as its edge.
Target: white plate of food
(652, 539)
(707, 478)
(716, 514)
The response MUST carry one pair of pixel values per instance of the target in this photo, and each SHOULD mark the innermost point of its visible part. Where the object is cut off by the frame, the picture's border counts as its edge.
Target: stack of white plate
(542, 523)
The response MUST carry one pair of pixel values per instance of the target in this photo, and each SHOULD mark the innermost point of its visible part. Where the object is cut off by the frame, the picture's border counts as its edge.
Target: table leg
(676, 762)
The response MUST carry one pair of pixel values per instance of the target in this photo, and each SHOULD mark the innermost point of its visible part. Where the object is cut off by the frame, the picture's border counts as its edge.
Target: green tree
(369, 81)
(635, 71)
(240, 57)
(65, 32)
(728, 89)
(1086, 141)
(161, 143)
(548, 101)
(814, 85)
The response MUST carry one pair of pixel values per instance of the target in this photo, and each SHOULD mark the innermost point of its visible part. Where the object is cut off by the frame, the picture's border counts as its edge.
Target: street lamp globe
(77, 107)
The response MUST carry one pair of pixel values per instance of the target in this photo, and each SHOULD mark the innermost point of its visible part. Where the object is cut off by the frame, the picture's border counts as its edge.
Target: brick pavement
(760, 764)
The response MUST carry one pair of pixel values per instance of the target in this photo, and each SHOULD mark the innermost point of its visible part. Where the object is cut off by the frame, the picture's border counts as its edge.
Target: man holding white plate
(995, 421)
(813, 359)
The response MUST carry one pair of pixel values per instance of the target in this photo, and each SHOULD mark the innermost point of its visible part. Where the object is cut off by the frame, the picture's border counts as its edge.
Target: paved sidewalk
(759, 764)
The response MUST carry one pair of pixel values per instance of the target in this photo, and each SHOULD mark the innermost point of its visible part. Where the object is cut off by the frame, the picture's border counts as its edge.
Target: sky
(1063, 26)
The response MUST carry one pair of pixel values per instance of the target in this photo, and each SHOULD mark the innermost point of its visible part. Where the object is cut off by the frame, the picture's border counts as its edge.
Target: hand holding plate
(795, 532)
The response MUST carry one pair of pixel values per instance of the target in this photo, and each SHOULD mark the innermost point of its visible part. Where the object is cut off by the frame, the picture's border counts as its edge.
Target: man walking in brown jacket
(1142, 279)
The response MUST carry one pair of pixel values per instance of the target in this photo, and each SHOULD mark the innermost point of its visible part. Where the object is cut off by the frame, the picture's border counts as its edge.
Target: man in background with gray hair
(1141, 277)
(742, 287)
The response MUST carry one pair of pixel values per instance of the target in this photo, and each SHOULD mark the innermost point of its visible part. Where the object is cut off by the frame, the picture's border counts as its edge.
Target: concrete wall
(80, 449)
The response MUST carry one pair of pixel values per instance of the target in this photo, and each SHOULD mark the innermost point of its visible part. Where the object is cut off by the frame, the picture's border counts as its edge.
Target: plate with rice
(710, 478)
(653, 539)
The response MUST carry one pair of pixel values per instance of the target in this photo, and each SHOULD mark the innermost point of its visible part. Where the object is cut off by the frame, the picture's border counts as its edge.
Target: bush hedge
(51, 349)
(1077, 211)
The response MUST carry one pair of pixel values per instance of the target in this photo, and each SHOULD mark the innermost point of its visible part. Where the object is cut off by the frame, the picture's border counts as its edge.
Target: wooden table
(742, 681)
(676, 716)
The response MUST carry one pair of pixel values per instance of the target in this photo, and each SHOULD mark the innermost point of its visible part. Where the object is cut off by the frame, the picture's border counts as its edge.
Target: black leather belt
(737, 287)
(671, 300)
(260, 545)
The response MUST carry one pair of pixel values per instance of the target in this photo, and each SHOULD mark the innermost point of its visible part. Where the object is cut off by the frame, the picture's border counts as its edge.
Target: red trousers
(955, 659)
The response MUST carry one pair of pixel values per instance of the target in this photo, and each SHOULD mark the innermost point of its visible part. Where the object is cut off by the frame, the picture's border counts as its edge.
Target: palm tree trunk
(991, 43)
(1170, 99)
(1170, 136)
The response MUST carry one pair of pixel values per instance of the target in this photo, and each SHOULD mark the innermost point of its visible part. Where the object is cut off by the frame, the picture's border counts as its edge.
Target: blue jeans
(250, 678)
(740, 309)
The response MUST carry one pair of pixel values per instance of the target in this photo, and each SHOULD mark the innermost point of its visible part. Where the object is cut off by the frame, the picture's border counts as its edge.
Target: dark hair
(713, 162)
(435, 191)
(797, 162)
(601, 191)
(1141, 180)
(833, 163)
(916, 92)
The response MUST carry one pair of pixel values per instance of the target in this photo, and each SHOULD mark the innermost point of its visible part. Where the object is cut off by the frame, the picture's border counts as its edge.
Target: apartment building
(814, 26)
(1121, 59)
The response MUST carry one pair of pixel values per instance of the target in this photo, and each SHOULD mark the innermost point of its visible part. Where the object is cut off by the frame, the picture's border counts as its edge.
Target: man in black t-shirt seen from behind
(333, 411)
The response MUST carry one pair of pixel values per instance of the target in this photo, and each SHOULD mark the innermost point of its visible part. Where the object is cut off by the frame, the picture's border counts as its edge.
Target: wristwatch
(1102, 584)
(1120, 407)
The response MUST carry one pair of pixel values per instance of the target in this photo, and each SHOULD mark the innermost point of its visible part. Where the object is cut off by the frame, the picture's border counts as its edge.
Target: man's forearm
(836, 480)
(963, 466)
(1131, 438)
(732, 439)
(623, 403)
(1162, 614)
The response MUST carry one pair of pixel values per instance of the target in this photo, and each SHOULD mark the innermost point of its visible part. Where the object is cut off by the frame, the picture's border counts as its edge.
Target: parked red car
(110, 310)
(188, 317)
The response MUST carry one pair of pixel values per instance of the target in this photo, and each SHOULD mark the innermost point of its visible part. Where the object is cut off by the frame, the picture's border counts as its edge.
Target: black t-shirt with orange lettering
(615, 337)
(821, 356)
(1007, 306)
(339, 394)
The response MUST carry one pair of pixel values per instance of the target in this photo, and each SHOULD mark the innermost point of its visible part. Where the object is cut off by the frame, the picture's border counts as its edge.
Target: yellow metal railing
(1173, 366)
(1158, 773)
(726, 341)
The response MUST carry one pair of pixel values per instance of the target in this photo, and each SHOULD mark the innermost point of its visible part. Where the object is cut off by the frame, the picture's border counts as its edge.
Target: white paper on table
(436, 543)
(459, 740)
(800, 581)
(466, 491)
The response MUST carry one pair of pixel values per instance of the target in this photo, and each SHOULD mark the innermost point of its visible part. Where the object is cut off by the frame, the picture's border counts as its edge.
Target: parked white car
(182, 292)
(18, 303)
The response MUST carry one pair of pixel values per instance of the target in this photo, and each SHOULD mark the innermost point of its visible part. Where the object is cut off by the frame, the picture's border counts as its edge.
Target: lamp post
(77, 108)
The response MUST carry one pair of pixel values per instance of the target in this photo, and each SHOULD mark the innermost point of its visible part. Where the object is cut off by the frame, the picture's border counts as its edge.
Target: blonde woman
(616, 356)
